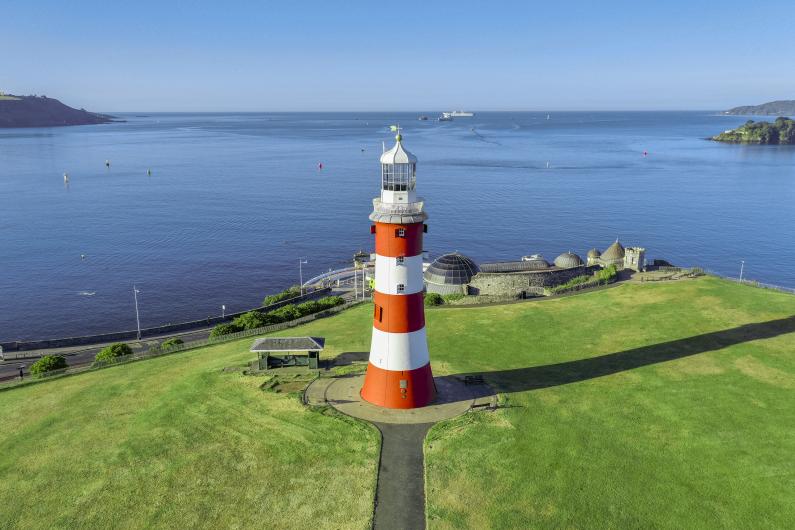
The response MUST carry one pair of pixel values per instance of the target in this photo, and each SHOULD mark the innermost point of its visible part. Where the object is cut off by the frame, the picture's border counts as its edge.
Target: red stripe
(383, 388)
(389, 244)
(398, 313)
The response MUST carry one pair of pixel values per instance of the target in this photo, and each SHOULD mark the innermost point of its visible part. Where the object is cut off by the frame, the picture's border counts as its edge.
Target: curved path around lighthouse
(400, 492)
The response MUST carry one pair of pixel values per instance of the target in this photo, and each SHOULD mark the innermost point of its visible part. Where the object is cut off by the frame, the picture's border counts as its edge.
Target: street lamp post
(742, 266)
(223, 310)
(137, 316)
(301, 262)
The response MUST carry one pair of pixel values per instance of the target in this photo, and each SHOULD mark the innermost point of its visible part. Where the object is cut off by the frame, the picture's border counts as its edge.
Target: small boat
(423, 118)
(446, 116)
(461, 114)
(547, 116)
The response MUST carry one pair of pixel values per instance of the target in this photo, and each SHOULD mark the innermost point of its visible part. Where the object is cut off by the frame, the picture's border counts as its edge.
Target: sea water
(234, 201)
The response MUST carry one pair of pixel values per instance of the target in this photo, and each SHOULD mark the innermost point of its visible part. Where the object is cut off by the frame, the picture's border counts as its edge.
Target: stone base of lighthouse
(395, 389)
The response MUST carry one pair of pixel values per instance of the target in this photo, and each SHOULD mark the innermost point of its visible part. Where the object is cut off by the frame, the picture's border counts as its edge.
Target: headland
(41, 111)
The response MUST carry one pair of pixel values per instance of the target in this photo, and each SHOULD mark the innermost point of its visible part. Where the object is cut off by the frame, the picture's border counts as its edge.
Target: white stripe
(389, 274)
(399, 351)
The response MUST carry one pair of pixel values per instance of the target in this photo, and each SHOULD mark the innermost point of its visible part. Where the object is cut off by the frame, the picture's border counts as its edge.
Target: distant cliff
(41, 111)
(781, 132)
(785, 107)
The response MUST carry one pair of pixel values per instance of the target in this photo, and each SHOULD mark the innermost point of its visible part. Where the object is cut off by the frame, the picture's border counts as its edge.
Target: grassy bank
(657, 405)
(175, 442)
(646, 406)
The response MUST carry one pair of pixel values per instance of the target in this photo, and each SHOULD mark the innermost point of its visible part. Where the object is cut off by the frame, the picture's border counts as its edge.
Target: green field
(174, 442)
(644, 406)
(657, 405)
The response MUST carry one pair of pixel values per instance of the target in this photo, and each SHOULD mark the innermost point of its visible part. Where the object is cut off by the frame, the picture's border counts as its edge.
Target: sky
(399, 55)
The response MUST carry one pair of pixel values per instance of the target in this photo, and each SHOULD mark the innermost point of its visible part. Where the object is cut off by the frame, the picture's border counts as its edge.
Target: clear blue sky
(429, 55)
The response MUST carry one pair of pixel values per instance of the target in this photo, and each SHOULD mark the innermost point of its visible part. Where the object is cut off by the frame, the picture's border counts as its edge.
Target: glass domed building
(450, 274)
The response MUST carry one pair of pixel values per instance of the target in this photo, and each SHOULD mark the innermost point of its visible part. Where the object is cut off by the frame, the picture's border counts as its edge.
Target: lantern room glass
(398, 177)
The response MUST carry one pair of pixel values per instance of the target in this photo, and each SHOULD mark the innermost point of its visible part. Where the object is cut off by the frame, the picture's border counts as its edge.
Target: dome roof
(567, 260)
(453, 269)
(398, 155)
(594, 253)
(614, 251)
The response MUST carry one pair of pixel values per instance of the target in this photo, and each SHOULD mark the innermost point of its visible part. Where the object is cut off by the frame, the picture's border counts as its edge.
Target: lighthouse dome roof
(398, 154)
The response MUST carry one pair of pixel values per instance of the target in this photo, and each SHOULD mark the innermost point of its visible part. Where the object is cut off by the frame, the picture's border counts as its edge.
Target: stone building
(528, 277)
(623, 258)
(455, 273)
(635, 258)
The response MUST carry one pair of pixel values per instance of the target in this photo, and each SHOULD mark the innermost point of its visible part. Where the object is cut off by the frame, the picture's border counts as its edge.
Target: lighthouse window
(398, 177)
(401, 287)
(379, 313)
(400, 232)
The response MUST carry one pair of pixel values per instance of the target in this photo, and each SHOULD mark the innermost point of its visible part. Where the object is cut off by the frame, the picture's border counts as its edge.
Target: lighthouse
(399, 371)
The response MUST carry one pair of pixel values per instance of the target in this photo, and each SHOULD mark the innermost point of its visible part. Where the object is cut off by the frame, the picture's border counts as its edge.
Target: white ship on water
(448, 116)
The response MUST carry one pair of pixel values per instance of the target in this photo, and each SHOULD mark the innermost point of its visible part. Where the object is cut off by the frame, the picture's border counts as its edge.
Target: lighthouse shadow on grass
(536, 377)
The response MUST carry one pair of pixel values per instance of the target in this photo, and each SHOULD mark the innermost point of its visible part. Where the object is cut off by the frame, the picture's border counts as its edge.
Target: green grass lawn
(642, 406)
(173, 442)
(612, 439)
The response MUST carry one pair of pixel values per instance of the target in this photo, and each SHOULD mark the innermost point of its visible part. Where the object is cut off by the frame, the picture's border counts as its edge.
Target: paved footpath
(400, 494)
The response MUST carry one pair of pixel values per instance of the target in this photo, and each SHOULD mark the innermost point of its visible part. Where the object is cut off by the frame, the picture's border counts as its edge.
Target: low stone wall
(151, 332)
(516, 283)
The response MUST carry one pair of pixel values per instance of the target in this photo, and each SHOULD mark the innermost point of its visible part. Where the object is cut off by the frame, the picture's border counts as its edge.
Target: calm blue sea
(234, 200)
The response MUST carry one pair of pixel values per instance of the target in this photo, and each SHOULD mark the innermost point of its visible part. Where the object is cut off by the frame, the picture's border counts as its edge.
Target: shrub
(307, 308)
(290, 292)
(433, 299)
(224, 329)
(48, 363)
(607, 275)
(604, 276)
(250, 320)
(170, 343)
(109, 353)
(578, 280)
(330, 301)
(285, 314)
(452, 297)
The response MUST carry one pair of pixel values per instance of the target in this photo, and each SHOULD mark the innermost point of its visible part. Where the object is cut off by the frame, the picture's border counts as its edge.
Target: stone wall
(515, 283)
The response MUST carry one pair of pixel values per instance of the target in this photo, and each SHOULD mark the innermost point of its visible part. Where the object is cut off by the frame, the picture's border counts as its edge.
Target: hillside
(654, 405)
(41, 111)
(784, 107)
(780, 132)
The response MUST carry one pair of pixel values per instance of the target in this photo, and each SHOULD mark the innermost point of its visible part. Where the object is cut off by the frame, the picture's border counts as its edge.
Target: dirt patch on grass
(754, 368)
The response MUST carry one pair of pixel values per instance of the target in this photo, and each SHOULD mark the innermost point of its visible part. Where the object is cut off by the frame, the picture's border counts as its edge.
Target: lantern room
(398, 174)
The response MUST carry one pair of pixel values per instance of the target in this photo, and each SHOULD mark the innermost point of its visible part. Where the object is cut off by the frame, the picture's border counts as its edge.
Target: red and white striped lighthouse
(399, 372)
